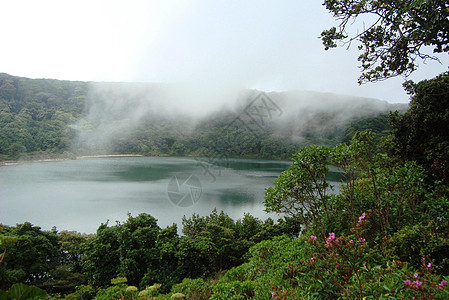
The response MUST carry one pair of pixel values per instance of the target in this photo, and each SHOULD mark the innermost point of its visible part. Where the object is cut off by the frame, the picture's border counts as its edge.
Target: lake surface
(81, 194)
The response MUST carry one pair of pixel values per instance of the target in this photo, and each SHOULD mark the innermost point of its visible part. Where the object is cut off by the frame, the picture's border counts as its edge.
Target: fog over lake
(81, 194)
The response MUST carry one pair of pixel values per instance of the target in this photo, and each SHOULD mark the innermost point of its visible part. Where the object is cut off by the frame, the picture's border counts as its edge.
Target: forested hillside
(35, 114)
(53, 118)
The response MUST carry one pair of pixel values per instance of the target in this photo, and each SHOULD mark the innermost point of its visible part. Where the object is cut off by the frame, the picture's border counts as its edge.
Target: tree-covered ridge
(65, 119)
(35, 114)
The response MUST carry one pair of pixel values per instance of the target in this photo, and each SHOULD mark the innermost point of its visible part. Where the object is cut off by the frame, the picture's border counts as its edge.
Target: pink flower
(407, 282)
(416, 284)
(361, 217)
(272, 295)
(442, 284)
(362, 239)
(415, 275)
(313, 259)
(330, 239)
(312, 237)
(429, 265)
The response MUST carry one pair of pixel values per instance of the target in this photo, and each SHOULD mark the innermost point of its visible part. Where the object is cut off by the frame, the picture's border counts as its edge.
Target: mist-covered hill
(65, 118)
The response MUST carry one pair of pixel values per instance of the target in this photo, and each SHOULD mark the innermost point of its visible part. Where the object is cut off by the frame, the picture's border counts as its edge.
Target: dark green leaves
(301, 191)
(23, 292)
(393, 34)
(330, 36)
(422, 133)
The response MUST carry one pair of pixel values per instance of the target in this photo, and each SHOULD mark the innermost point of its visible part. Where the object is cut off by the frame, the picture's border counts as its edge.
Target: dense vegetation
(52, 118)
(384, 236)
(65, 262)
(35, 114)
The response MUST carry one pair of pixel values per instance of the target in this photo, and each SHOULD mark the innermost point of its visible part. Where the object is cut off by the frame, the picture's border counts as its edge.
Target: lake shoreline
(74, 157)
(31, 160)
(109, 155)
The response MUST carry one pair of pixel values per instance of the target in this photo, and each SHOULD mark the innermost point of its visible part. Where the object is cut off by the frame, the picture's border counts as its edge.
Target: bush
(193, 288)
(411, 243)
(234, 290)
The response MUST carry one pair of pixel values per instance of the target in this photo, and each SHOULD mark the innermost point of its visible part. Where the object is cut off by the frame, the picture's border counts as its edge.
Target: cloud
(210, 46)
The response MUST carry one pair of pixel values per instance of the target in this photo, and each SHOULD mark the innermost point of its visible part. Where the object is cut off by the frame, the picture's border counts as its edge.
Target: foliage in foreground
(23, 291)
(384, 236)
(394, 35)
(84, 265)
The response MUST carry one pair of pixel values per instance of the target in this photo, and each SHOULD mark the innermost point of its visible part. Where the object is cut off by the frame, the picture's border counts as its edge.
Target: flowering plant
(424, 284)
(346, 267)
(335, 265)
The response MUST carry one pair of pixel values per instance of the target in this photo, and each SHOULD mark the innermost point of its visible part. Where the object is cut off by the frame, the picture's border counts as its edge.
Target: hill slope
(53, 117)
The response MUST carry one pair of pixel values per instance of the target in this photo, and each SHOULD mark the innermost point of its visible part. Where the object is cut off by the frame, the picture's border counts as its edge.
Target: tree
(395, 36)
(69, 272)
(422, 133)
(138, 251)
(393, 193)
(73, 247)
(128, 249)
(102, 256)
(5, 243)
(195, 257)
(217, 232)
(167, 263)
(32, 257)
(301, 190)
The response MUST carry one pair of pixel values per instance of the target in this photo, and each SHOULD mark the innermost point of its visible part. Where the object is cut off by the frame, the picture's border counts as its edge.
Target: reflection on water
(236, 197)
(259, 165)
(81, 194)
(144, 172)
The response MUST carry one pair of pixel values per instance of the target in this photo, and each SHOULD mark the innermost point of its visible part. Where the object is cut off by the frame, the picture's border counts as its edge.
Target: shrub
(234, 290)
(193, 288)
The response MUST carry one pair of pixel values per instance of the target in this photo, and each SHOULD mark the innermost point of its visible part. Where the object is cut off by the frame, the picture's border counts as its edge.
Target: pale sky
(267, 45)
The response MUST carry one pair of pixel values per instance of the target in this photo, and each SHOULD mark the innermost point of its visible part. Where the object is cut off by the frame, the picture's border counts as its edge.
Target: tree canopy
(394, 35)
(422, 133)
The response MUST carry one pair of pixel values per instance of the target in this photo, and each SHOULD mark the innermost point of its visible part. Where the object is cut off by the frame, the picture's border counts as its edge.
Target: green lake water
(81, 194)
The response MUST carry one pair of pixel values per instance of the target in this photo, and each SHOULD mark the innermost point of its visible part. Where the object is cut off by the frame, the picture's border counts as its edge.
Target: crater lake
(81, 194)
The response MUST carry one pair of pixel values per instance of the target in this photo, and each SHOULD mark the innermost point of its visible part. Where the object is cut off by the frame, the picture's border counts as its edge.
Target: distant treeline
(42, 117)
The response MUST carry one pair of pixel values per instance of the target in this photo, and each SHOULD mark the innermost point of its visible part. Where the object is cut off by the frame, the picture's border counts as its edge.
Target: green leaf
(22, 291)
(3, 295)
